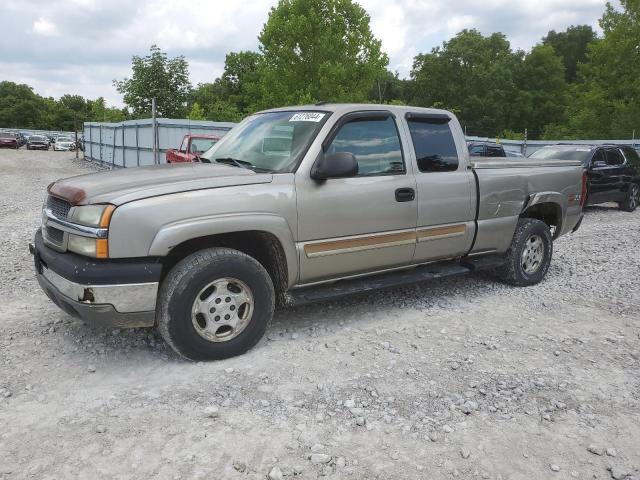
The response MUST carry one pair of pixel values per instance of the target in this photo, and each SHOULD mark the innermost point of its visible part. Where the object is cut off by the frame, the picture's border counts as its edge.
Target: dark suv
(613, 171)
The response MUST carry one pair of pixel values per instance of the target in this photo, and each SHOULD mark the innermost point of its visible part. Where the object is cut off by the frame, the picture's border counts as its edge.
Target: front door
(365, 223)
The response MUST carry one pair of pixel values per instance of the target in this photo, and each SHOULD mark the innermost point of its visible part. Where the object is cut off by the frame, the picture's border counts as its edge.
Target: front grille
(54, 235)
(58, 207)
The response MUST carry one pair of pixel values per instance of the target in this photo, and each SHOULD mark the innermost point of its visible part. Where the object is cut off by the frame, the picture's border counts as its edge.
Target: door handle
(405, 195)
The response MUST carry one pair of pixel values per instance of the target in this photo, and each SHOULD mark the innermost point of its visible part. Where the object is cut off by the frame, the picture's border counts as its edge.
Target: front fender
(175, 233)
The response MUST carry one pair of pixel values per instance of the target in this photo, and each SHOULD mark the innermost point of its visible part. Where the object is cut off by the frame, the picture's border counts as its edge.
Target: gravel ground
(463, 378)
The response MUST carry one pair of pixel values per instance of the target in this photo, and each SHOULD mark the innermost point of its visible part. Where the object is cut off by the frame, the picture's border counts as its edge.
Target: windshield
(37, 138)
(7, 135)
(272, 142)
(200, 145)
(575, 153)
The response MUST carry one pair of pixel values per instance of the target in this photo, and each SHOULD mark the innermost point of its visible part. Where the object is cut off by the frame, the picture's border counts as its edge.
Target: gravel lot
(463, 378)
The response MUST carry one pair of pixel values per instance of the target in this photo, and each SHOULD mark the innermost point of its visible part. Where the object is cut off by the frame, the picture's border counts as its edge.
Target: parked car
(38, 142)
(9, 140)
(490, 149)
(613, 171)
(191, 147)
(206, 250)
(64, 143)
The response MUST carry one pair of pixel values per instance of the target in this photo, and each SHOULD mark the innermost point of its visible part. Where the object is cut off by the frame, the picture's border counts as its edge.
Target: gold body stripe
(437, 233)
(371, 242)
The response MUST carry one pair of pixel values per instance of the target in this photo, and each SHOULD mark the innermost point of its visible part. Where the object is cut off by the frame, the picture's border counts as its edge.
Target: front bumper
(102, 293)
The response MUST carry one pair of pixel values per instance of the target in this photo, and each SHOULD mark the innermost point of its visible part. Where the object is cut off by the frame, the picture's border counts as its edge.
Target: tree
(606, 100)
(157, 76)
(318, 50)
(390, 88)
(214, 101)
(571, 45)
(542, 96)
(20, 107)
(196, 112)
(99, 112)
(472, 75)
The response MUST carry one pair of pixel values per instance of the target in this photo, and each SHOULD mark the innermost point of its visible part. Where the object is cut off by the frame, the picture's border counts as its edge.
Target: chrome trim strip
(74, 228)
(125, 298)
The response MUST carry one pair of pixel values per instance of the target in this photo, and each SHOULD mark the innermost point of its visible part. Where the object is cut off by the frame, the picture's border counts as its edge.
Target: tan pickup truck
(296, 205)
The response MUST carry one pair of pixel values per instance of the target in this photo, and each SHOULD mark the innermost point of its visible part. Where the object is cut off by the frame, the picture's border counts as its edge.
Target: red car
(191, 147)
(9, 140)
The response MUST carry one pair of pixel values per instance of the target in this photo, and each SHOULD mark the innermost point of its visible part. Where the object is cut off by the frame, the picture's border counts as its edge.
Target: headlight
(96, 216)
(90, 247)
(93, 215)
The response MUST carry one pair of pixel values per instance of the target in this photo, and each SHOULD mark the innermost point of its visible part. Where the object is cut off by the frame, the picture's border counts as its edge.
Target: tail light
(583, 193)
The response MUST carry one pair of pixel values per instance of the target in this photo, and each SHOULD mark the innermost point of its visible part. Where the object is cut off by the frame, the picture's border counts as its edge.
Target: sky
(80, 46)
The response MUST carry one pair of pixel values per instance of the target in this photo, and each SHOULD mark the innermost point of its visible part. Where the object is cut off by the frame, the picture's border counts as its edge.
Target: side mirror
(335, 165)
(598, 164)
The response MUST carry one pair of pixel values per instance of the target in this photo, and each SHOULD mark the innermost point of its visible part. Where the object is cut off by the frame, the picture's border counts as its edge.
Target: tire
(632, 200)
(188, 285)
(522, 272)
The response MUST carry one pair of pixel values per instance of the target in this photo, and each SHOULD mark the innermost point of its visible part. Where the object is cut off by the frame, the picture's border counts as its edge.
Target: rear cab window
(433, 143)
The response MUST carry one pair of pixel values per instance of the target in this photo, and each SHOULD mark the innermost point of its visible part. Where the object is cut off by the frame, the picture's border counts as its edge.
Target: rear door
(616, 166)
(599, 181)
(446, 189)
(365, 223)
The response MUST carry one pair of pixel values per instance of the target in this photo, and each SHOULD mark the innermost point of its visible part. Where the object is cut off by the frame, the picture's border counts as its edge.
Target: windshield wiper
(236, 162)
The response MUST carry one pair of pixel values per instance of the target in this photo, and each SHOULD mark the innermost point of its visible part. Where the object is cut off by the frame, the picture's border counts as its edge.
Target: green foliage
(318, 50)
(542, 91)
(157, 76)
(471, 74)
(20, 107)
(571, 46)
(606, 98)
(196, 112)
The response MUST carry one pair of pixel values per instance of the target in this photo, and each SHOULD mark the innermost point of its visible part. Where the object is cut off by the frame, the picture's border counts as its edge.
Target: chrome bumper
(126, 298)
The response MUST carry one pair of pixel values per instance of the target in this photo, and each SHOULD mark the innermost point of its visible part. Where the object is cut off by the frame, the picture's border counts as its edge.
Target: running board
(397, 278)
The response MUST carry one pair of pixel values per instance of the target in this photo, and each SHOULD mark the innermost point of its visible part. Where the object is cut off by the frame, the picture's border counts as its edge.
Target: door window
(493, 151)
(375, 144)
(476, 150)
(434, 145)
(614, 157)
(599, 159)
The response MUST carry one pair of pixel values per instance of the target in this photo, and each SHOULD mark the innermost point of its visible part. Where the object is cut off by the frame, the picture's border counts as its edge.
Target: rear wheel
(632, 200)
(529, 254)
(215, 304)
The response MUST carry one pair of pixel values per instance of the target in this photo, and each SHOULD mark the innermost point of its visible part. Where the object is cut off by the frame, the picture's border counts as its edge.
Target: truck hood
(128, 184)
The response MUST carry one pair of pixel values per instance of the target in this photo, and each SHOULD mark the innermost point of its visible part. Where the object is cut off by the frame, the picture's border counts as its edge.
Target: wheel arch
(547, 207)
(267, 238)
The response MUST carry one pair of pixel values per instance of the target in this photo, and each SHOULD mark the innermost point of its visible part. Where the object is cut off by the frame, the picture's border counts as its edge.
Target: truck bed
(493, 162)
(506, 187)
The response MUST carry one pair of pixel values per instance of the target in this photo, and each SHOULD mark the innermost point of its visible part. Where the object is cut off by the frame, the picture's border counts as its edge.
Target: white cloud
(42, 26)
(97, 38)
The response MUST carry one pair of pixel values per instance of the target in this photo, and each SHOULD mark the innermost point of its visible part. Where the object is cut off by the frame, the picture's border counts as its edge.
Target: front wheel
(632, 200)
(529, 254)
(215, 304)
